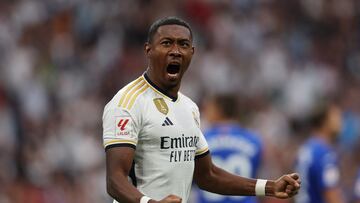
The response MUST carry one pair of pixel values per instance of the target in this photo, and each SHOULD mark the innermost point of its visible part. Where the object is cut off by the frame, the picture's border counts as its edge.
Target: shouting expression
(169, 53)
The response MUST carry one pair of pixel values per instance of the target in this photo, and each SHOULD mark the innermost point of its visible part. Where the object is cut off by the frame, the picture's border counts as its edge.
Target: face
(169, 55)
(211, 111)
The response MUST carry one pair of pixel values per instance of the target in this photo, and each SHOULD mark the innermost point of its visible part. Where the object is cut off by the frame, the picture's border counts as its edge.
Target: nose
(175, 52)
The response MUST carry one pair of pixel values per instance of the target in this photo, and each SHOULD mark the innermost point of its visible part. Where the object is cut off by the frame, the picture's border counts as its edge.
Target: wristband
(145, 199)
(260, 187)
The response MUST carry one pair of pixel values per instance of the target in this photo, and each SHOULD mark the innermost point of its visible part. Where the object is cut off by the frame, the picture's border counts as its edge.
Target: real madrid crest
(161, 105)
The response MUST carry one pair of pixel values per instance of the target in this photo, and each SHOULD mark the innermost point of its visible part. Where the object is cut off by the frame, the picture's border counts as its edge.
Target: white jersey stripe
(131, 93)
(136, 95)
(130, 86)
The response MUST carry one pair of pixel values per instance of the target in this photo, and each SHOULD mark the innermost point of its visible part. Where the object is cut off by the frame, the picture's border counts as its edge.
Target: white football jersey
(165, 133)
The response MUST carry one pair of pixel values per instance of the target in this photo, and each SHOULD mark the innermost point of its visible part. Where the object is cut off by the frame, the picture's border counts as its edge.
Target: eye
(184, 44)
(166, 43)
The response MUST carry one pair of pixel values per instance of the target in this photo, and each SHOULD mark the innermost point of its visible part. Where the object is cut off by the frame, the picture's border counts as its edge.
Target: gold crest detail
(161, 105)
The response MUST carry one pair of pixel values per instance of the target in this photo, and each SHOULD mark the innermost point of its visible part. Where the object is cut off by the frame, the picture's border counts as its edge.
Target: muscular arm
(118, 165)
(333, 195)
(213, 179)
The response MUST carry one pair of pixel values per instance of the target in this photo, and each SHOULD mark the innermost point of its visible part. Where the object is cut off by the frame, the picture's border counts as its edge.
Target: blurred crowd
(61, 61)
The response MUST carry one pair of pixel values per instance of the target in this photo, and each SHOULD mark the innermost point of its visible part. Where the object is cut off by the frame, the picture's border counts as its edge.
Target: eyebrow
(175, 39)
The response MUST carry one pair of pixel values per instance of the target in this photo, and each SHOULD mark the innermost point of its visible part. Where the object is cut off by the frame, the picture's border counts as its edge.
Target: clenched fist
(287, 186)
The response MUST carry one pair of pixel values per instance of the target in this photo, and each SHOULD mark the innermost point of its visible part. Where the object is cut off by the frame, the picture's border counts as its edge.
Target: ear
(147, 49)
(192, 50)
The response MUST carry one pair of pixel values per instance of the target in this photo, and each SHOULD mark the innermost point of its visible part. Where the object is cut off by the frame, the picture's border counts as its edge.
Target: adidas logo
(167, 122)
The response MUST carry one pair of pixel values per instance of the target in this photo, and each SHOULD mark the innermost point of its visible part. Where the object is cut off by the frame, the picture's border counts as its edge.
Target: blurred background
(61, 61)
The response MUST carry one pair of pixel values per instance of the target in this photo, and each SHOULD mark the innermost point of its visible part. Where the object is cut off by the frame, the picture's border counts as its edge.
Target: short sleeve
(202, 148)
(329, 170)
(120, 128)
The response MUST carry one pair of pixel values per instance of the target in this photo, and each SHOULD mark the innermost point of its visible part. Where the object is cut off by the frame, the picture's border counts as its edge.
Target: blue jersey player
(317, 160)
(232, 147)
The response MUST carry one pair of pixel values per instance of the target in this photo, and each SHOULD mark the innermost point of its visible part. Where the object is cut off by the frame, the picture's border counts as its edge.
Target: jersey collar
(158, 89)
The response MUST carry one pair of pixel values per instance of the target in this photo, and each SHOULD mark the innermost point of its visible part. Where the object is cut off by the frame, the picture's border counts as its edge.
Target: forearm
(221, 182)
(121, 190)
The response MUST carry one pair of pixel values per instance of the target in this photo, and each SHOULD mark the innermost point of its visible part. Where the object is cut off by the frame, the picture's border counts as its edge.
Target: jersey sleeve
(329, 171)
(120, 128)
(202, 148)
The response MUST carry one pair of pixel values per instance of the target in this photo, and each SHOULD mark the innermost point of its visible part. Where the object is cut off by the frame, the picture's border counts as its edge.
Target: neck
(322, 134)
(171, 91)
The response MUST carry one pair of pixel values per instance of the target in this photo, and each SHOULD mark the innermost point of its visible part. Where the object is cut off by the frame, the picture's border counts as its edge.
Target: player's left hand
(287, 186)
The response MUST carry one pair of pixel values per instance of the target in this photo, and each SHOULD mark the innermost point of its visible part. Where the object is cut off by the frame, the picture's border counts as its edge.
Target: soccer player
(317, 161)
(151, 132)
(233, 148)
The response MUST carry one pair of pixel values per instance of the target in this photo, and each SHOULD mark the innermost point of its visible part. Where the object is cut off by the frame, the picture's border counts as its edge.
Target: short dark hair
(227, 104)
(171, 20)
(319, 114)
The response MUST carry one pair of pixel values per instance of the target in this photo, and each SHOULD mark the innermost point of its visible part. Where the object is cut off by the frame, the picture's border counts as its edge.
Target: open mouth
(173, 68)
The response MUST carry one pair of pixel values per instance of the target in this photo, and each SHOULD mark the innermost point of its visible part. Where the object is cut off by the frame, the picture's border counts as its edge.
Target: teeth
(173, 74)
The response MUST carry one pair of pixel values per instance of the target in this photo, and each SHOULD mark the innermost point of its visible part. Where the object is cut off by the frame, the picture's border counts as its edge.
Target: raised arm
(214, 179)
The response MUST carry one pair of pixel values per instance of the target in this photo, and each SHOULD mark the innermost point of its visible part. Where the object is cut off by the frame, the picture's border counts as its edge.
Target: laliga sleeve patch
(331, 176)
(123, 126)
